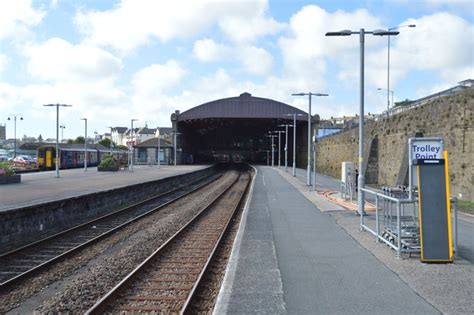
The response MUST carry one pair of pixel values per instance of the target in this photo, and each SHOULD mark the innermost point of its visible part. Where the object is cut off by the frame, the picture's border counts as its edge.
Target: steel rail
(46, 263)
(191, 296)
(100, 306)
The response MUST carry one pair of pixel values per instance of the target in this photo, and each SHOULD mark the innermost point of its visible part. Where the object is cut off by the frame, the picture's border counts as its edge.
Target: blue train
(72, 155)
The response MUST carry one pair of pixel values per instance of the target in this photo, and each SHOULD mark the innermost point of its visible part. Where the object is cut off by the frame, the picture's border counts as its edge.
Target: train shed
(239, 126)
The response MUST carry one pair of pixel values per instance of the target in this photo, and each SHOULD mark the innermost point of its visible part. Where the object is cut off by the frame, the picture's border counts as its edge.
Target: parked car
(24, 160)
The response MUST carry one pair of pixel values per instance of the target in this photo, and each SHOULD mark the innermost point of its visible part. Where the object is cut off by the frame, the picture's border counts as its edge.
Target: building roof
(120, 129)
(243, 106)
(146, 131)
(153, 143)
(166, 130)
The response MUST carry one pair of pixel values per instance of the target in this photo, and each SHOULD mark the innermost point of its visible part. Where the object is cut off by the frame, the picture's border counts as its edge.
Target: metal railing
(400, 228)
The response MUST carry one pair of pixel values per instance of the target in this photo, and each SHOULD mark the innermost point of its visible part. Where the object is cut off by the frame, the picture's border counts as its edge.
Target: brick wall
(451, 118)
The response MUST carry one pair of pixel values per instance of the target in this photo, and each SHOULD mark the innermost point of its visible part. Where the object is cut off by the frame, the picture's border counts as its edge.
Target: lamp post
(14, 130)
(111, 141)
(388, 61)
(294, 141)
(286, 144)
(85, 144)
(279, 132)
(361, 178)
(158, 161)
(388, 102)
(62, 132)
(273, 147)
(310, 94)
(132, 149)
(57, 133)
(175, 140)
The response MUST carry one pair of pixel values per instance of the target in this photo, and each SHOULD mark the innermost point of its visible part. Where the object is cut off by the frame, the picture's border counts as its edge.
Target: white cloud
(17, 16)
(255, 60)
(306, 48)
(133, 23)
(3, 62)
(440, 42)
(57, 59)
(207, 50)
(152, 89)
(250, 24)
(158, 77)
(53, 4)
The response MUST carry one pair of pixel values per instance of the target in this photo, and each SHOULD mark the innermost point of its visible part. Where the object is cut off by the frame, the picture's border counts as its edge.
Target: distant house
(118, 135)
(144, 134)
(146, 152)
(3, 132)
(166, 133)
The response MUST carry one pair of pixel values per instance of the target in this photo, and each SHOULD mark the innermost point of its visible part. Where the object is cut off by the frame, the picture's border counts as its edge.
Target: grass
(466, 206)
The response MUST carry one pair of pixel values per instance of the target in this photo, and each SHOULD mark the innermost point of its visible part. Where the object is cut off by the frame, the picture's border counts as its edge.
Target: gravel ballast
(96, 269)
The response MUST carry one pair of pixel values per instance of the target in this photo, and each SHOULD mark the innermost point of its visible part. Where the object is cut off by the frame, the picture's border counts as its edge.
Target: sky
(144, 59)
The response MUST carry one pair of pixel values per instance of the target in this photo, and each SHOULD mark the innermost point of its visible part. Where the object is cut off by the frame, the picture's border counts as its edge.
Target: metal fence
(396, 220)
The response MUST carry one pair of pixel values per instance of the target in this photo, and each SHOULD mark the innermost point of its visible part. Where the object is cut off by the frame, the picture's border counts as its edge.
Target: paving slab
(43, 187)
(293, 258)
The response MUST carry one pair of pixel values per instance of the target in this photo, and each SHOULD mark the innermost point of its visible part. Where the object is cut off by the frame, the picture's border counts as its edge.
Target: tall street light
(62, 132)
(14, 130)
(111, 141)
(273, 147)
(308, 169)
(158, 161)
(57, 133)
(388, 102)
(388, 61)
(85, 144)
(175, 140)
(286, 144)
(361, 178)
(294, 141)
(132, 149)
(279, 132)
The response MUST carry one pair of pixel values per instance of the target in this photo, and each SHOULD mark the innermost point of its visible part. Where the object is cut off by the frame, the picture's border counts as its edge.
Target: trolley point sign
(426, 148)
(422, 149)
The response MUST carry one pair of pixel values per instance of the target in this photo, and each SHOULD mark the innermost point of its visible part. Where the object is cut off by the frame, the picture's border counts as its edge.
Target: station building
(239, 126)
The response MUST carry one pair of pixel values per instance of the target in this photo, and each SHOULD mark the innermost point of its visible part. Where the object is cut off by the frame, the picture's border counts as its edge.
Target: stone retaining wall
(451, 118)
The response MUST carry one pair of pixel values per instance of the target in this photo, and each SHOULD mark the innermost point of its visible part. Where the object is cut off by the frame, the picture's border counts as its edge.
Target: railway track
(168, 279)
(28, 260)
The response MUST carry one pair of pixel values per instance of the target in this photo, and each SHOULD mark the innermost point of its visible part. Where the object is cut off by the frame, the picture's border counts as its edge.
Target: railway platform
(297, 253)
(44, 187)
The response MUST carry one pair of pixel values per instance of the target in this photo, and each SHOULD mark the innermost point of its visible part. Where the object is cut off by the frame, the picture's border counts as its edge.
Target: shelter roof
(243, 106)
(153, 143)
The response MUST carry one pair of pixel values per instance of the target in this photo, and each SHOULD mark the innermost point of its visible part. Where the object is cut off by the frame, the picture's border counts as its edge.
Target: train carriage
(72, 155)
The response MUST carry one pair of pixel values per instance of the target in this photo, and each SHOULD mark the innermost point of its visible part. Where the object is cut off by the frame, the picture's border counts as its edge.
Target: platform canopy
(236, 126)
(243, 106)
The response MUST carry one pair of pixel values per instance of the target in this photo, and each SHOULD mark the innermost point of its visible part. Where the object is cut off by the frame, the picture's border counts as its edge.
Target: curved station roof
(243, 106)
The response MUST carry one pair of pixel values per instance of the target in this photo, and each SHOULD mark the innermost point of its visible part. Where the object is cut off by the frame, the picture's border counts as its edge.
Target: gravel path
(96, 269)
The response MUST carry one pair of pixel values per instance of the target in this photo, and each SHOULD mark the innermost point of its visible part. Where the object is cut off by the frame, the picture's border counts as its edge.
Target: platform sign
(421, 149)
(434, 213)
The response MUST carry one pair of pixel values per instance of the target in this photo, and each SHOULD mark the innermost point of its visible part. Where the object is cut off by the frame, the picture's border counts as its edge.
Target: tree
(40, 138)
(403, 103)
(78, 140)
(106, 142)
(121, 147)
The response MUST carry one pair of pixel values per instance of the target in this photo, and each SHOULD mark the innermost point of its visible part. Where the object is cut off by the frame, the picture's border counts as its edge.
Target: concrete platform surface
(44, 186)
(291, 258)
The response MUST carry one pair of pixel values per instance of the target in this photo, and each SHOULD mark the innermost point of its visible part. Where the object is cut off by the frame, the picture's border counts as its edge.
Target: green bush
(108, 162)
(7, 169)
